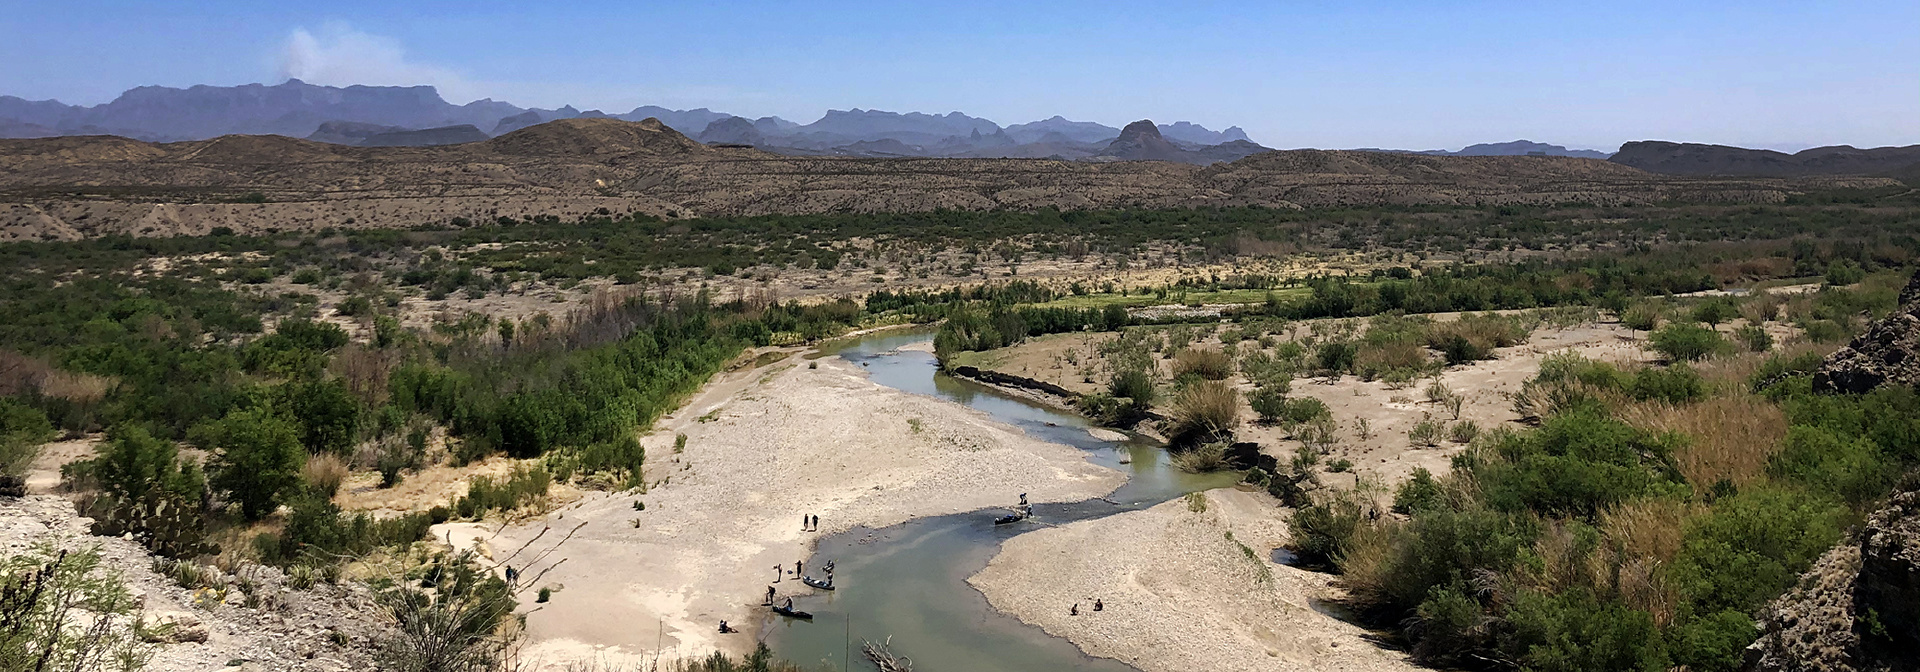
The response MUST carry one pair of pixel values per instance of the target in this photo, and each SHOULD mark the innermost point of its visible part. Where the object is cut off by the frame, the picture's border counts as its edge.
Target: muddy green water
(908, 582)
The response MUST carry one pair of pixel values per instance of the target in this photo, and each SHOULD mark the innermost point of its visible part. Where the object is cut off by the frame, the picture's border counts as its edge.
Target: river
(907, 583)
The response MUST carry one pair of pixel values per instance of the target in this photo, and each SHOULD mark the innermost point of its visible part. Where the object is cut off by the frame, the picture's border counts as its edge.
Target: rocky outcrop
(1889, 586)
(1141, 141)
(1858, 608)
(1888, 353)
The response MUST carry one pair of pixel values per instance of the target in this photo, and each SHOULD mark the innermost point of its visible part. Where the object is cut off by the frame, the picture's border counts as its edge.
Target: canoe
(793, 613)
(823, 585)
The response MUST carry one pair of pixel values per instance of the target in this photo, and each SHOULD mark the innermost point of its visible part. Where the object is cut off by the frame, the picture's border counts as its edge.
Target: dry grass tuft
(1205, 411)
(324, 473)
(1729, 437)
(1206, 363)
(1647, 535)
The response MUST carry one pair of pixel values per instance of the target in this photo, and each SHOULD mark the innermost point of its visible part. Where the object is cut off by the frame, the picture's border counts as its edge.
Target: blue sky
(1293, 74)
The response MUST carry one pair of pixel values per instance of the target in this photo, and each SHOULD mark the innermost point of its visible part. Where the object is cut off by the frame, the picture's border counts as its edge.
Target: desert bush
(1463, 431)
(1135, 385)
(1265, 370)
(1578, 463)
(256, 459)
(1270, 404)
(324, 473)
(64, 610)
(1754, 337)
(485, 493)
(1761, 308)
(1643, 316)
(1203, 458)
(1427, 432)
(460, 620)
(1319, 434)
(1714, 311)
(1302, 410)
(1420, 492)
(1382, 359)
(1850, 469)
(22, 430)
(1203, 362)
(1323, 529)
(1473, 337)
(1687, 342)
(1333, 358)
(1448, 399)
(1676, 384)
(1204, 412)
(317, 533)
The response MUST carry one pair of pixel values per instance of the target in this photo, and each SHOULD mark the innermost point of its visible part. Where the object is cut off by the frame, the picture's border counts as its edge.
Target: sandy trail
(1182, 590)
(765, 446)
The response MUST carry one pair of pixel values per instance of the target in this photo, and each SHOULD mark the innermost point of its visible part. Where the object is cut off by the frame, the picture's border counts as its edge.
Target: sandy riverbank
(765, 446)
(1182, 590)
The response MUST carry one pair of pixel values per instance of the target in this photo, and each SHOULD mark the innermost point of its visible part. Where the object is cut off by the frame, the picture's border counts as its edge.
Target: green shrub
(1420, 492)
(1302, 410)
(1851, 469)
(1578, 463)
(1644, 316)
(1752, 546)
(256, 459)
(1714, 311)
(1844, 272)
(1677, 384)
(66, 610)
(484, 493)
(22, 429)
(1270, 404)
(327, 413)
(1449, 626)
(1574, 631)
(1754, 337)
(1134, 385)
(1687, 342)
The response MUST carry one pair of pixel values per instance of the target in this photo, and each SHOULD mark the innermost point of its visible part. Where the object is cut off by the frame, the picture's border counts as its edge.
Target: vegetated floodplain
(285, 358)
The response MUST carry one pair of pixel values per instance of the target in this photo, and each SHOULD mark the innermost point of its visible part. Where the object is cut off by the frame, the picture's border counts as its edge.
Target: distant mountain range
(1676, 158)
(418, 116)
(1515, 148)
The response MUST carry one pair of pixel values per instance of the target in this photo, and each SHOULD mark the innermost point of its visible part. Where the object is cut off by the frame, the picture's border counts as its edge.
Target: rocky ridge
(1887, 353)
(75, 187)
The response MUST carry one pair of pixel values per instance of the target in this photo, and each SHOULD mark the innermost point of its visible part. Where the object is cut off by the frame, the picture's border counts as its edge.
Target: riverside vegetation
(229, 411)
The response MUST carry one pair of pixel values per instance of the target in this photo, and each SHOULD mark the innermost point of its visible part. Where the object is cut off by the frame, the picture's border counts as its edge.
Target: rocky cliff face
(1858, 608)
(1889, 351)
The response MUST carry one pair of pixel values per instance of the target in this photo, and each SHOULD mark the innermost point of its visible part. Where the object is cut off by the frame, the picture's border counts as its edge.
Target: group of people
(1097, 606)
(809, 523)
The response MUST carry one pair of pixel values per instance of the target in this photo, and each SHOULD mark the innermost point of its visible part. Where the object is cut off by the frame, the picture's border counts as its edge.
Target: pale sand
(1179, 593)
(778, 442)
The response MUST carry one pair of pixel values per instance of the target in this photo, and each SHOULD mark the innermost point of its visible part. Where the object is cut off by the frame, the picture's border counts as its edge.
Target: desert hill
(71, 187)
(1676, 158)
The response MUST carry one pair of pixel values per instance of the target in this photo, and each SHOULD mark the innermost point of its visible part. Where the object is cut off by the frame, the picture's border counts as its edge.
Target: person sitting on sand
(725, 629)
(1098, 605)
(1075, 610)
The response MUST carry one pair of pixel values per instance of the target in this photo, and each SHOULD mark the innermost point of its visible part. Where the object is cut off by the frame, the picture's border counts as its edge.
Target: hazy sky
(1294, 74)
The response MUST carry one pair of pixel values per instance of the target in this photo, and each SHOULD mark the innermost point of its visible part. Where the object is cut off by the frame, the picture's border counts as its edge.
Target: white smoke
(339, 55)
